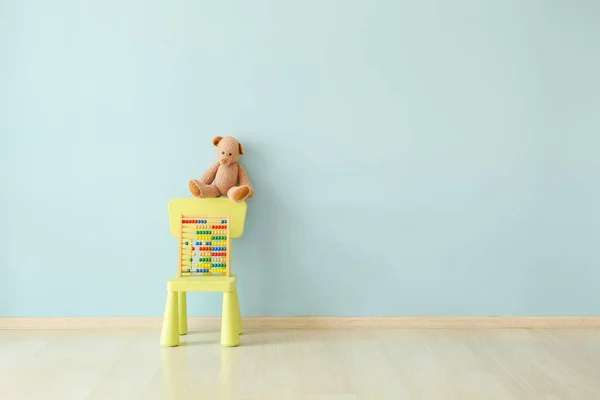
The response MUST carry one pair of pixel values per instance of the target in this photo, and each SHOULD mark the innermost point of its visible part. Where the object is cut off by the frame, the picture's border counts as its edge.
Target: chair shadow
(249, 338)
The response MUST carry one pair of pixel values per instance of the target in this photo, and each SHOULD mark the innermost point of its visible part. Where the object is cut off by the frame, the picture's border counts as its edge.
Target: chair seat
(201, 283)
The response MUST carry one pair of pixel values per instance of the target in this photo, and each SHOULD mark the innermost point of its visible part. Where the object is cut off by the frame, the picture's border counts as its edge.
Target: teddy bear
(225, 177)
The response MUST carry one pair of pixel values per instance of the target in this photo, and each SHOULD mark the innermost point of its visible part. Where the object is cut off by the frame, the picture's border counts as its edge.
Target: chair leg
(182, 307)
(238, 314)
(170, 328)
(229, 331)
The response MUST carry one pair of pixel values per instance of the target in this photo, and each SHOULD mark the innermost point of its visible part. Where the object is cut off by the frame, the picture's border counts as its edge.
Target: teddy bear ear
(241, 148)
(216, 140)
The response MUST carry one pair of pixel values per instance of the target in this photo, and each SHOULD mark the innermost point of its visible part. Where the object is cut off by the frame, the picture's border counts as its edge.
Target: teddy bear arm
(245, 180)
(209, 176)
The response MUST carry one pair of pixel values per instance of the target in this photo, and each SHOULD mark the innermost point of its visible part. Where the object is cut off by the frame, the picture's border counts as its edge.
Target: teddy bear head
(229, 149)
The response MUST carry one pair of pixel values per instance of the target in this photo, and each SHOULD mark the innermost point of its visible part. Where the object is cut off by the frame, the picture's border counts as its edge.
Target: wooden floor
(303, 364)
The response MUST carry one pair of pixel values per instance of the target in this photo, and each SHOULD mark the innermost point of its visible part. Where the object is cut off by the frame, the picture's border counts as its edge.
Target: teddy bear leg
(238, 193)
(199, 189)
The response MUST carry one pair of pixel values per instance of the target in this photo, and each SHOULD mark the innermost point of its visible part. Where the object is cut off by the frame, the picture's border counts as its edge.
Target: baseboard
(258, 323)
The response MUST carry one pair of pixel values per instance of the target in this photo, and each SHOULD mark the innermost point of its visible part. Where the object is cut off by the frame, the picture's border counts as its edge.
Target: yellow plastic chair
(175, 318)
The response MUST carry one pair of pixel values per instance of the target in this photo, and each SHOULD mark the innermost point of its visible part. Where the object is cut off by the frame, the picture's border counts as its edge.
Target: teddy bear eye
(222, 152)
(229, 153)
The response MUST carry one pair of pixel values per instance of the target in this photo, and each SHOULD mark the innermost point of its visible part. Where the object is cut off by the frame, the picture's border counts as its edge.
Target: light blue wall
(409, 157)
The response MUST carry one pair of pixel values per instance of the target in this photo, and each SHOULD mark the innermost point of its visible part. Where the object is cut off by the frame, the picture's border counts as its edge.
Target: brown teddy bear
(226, 177)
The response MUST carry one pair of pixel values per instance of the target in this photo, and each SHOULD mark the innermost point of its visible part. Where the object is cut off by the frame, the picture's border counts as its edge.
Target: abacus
(204, 244)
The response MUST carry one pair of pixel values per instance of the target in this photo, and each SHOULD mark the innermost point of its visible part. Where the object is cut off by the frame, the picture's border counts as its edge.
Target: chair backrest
(209, 207)
(204, 228)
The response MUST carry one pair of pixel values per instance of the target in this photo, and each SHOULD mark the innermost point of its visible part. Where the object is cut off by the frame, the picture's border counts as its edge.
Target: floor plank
(342, 364)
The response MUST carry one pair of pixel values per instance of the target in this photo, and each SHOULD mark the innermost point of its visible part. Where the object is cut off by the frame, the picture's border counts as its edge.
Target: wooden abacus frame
(183, 217)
